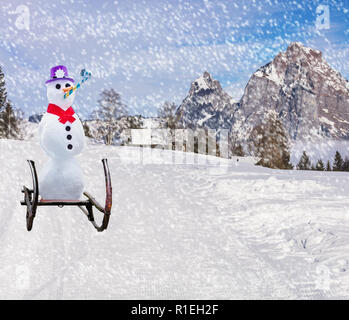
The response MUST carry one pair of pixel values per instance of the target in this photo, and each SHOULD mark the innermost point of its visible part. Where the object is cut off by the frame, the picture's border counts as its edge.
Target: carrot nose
(65, 90)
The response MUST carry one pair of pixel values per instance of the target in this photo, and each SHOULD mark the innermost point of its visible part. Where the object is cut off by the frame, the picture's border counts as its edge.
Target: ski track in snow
(177, 231)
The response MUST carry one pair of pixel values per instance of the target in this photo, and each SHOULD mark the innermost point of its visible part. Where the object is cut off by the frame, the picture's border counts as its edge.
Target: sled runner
(31, 200)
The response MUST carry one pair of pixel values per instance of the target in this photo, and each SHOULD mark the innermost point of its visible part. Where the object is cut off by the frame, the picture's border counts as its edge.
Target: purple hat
(59, 73)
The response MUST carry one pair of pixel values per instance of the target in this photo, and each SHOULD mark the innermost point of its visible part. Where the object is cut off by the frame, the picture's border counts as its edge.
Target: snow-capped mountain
(310, 97)
(36, 118)
(308, 94)
(206, 105)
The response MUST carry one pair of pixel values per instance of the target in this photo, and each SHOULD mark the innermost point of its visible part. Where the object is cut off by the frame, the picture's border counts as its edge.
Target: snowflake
(59, 73)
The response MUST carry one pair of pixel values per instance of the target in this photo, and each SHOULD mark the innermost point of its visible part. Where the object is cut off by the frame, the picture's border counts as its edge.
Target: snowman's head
(55, 93)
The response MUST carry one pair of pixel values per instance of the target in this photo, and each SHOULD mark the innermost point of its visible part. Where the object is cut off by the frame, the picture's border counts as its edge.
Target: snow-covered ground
(222, 230)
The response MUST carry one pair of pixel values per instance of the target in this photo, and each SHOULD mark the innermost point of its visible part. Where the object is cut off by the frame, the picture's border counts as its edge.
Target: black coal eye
(67, 85)
(58, 86)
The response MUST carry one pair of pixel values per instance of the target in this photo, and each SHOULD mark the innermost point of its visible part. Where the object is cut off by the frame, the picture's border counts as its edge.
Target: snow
(202, 85)
(325, 120)
(149, 123)
(340, 120)
(205, 118)
(218, 230)
(271, 73)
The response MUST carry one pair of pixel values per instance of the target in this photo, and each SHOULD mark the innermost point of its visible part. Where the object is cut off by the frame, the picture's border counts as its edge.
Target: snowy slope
(177, 231)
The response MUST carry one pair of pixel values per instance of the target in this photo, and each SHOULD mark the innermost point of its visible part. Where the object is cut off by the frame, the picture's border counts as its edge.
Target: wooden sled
(31, 200)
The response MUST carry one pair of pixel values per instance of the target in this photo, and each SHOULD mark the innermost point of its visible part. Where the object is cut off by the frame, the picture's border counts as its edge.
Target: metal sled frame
(31, 200)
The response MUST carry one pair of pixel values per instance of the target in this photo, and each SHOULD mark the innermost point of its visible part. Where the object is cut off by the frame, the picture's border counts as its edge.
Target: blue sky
(150, 51)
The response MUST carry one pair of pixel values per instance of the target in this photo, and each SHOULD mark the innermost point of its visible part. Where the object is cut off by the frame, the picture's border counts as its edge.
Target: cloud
(150, 51)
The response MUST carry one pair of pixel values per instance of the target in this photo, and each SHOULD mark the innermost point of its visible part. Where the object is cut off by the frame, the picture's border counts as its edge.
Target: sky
(150, 51)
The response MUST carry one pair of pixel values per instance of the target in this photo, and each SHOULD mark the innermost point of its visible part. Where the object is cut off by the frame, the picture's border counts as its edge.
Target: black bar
(178, 309)
(60, 203)
(63, 203)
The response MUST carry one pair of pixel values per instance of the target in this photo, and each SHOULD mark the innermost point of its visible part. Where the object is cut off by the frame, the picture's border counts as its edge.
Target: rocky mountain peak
(296, 50)
(204, 85)
(205, 100)
(298, 61)
(309, 95)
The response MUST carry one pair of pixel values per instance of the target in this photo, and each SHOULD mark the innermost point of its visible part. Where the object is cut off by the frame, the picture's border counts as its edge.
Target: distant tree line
(267, 141)
(339, 164)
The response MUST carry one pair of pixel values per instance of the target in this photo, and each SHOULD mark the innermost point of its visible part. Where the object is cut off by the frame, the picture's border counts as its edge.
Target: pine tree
(320, 165)
(235, 140)
(345, 166)
(269, 142)
(238, 151)
(110, 116)
(286, 161)
(304, 162)
(338, 162)
(328, 166)
(134, 122)
(3, 93)
(10, 122)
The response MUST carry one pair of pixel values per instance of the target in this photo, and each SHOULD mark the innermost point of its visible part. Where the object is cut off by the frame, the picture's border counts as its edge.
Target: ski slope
(226, 230)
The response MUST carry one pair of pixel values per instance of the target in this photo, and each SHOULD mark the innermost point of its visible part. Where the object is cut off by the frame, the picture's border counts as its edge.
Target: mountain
(308, 94)
(36, 118)
(206, 105)
(310, 97)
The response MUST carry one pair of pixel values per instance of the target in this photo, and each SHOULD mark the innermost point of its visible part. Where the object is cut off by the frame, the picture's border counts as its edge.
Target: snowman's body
(61, 178)
(62, 139)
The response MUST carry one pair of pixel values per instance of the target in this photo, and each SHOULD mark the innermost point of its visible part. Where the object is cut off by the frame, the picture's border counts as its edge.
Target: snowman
(62, 138)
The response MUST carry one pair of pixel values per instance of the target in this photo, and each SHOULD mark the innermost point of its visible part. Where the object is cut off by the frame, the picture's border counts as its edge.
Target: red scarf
(64, 116)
